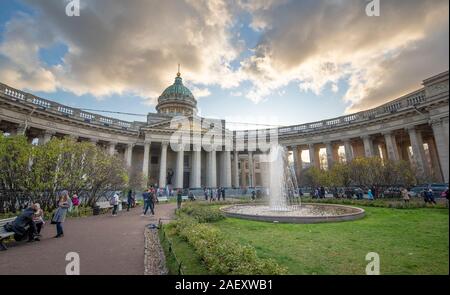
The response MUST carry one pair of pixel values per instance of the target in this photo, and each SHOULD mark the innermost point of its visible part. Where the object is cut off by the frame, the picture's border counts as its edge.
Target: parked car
(437, 189)
(392, 192)
(417, 190)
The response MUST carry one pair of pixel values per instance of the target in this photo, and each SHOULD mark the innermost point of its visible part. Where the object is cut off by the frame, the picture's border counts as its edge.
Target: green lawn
(191, 263)
(409, 241)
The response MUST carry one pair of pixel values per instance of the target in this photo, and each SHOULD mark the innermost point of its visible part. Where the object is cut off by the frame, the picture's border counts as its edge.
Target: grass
(191, 263)
(409, 241)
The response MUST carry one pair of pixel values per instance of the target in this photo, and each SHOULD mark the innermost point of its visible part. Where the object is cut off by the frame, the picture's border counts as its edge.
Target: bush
(203, 214)
(222, 256)
(380, 203)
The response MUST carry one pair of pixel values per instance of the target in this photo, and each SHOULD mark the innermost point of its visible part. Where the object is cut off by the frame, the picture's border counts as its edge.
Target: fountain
(284, 204)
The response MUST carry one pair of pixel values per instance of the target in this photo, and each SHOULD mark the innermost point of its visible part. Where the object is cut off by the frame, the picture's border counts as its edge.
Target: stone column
(441, 140)
(243, 175)
(418, 152)
(47, 136)
(295, 157)
(179, 173)
(434, 158)
(21, 130)
(226, 169)
(129, 155)
(368, 146)
(212, 168)
(391, 146)
(329, 148)
(236, 169)
(112, 148)
(348, 150)
(163, 165)
(146, 161)
(250, 170)
(196, 168)
(312, 155)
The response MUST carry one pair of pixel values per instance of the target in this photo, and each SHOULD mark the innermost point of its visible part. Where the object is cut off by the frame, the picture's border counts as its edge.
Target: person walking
(59, 217)
(115, 203)
(370, 194)
(205, 192)
(405, 195)
(147, 203)
(445, 195)
(430, 196)
(76, 205)
(179, 199)
(223, 194)
(129, 200)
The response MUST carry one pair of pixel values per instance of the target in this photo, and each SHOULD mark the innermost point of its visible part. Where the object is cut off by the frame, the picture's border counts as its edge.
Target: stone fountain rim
(360, 213)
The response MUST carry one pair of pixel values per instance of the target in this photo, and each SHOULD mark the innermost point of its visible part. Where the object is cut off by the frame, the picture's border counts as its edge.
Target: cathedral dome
(177, 99)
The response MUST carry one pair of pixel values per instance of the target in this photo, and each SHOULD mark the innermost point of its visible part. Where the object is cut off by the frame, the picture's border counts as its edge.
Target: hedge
(222, 256)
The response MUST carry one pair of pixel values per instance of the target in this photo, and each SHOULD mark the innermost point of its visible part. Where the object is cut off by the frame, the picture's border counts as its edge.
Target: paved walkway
(107, 245)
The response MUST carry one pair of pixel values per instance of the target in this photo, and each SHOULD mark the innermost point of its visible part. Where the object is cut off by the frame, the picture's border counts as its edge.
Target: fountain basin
(306, 213)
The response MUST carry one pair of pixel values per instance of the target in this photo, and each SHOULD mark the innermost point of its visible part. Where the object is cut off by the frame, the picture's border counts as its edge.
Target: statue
(169, 176)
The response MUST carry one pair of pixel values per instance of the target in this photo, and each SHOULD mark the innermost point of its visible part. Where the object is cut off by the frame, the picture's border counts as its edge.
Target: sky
(268, 62)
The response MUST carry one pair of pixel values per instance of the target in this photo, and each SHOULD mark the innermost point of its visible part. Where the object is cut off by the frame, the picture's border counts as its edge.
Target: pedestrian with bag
(64, 203)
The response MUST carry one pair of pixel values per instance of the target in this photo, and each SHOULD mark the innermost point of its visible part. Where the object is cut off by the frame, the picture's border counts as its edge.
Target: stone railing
(63, 110)
(400, 104)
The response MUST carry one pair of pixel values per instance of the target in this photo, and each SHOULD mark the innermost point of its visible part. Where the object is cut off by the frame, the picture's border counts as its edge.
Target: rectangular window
(154, 160)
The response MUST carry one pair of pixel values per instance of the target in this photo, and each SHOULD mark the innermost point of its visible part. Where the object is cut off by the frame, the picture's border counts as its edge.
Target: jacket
(22, 221)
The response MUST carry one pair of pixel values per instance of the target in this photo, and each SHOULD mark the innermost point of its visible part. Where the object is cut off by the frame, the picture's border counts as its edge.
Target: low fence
(165, 238)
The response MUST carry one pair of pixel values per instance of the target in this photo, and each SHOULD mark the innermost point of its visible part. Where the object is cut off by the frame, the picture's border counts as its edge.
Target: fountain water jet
(283, 205)
(282, 181)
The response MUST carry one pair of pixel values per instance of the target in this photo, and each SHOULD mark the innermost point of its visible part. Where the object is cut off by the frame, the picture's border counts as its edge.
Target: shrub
(203, 214)
(222, 256)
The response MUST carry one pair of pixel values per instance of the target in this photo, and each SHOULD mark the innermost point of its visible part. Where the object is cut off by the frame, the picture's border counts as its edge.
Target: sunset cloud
(118, 47)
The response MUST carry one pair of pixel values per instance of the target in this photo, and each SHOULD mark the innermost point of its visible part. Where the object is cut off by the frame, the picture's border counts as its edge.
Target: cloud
(120, 46)
(319, 43)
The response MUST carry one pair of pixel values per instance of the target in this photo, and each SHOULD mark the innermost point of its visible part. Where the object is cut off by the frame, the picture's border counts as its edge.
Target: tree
(39, 173)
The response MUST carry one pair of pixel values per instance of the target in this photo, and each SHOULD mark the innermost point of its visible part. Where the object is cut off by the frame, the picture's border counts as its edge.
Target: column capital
(367, 136)
(147, 141)
(411, 128)
(311, 145)
(434, 122)
(165, 143)
(131, 144)
(113, 143)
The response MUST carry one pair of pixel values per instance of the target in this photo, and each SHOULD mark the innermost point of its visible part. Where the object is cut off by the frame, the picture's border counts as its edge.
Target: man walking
(148, 202)
(129, 200)
(115, 202)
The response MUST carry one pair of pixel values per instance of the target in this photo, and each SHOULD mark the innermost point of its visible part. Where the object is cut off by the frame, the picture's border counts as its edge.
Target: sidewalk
(107, 246)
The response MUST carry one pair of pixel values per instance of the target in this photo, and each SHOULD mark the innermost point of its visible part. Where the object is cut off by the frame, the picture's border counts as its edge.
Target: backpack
(112, 201)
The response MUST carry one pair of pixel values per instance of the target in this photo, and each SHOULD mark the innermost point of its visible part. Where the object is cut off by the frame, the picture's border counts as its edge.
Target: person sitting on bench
(24, 225)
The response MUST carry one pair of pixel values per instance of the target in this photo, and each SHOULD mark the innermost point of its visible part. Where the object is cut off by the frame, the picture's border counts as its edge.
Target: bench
(104, 205)
(5, 234)
(163, 199)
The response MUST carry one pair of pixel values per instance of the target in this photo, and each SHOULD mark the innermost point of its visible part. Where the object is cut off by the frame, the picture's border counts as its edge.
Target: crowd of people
(30, 221)
(213, 194)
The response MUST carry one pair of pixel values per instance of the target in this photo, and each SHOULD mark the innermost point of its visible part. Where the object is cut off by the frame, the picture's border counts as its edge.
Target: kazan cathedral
(413, 127)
